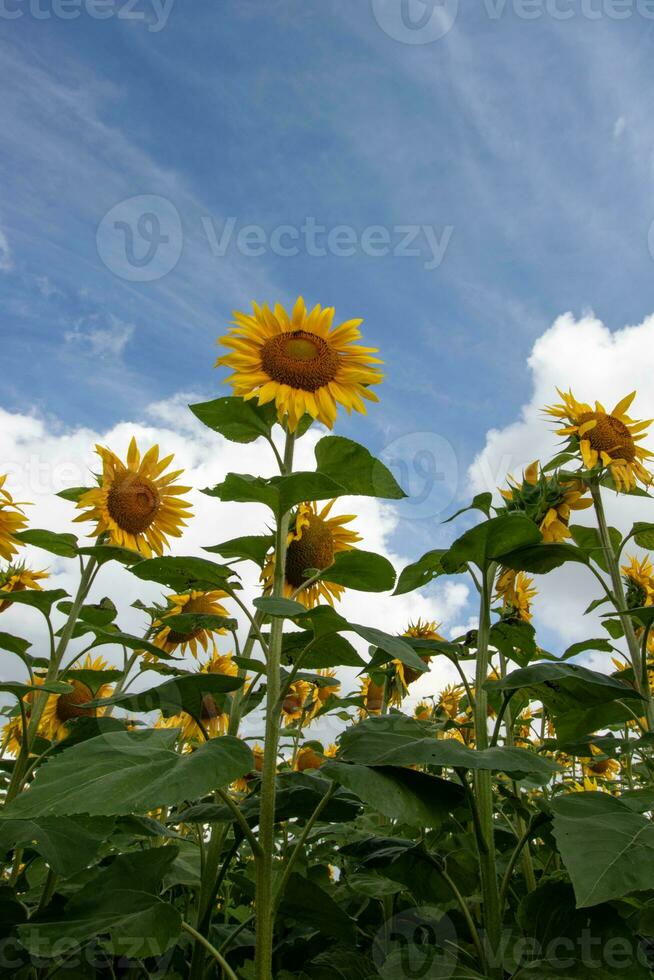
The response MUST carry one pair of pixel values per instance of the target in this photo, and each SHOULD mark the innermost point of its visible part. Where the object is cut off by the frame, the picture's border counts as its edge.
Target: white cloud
(6, 261)
(92, 340)
(596, 364)
(41, 458)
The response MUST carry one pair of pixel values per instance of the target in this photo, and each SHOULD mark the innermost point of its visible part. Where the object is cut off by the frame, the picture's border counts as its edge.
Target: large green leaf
(279, 493)
(401, 794)
(183, 573)
(588, 539)
(63, 545)
(420, 573)
(643, 535)
(43, 600)
(177, 695)
(362, 571)
(304, 901)
(236, 419)
(129, 772)
(607, 848)
(491, 540)
(253, 547)
(396, 740)
(540, 559)
(564, 686)
(332, 650)
(120, 902)
(356, 469)
(68, 844)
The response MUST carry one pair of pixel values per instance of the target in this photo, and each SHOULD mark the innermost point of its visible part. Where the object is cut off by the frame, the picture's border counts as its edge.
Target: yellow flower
(300, 362)
(308, 758)
(12, 519)
(515, 591)
(63, 708)
(190, 603)
(606, 439)
(603, 767)
(313, 542)
(322, 694)
(12, 734)
(547, 500)
(296, 702)
(16, 578)
(639, 579)
(407, 675)
(137, 504)
(373, 697)
(214, 719)
(450, 699)
(422, 711)
(588, 786)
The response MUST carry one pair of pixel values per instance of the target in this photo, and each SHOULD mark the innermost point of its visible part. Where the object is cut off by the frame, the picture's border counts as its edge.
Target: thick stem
(483, 780)
(613, 565)
(265, 864)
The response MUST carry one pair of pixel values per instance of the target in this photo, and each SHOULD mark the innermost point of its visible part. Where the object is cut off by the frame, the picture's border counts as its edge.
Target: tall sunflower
(300, 362)
(547, 500)
(16, 578)
(213, 717)
(12, 519)
(314, 540)
(605, 439)
(197, 603)
(136, 503)
(60, 709)
(515, 590)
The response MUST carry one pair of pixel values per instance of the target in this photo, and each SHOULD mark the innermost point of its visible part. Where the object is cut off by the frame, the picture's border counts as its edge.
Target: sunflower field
(175, 816)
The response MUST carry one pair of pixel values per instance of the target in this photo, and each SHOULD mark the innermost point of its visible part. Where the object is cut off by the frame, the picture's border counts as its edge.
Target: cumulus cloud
(597, 364)
(41, 457)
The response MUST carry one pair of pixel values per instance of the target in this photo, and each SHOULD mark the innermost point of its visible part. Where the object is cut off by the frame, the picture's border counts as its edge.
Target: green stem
(613, 565)
(264, 865)
(483, 778)
(218, 957)
(297, 850)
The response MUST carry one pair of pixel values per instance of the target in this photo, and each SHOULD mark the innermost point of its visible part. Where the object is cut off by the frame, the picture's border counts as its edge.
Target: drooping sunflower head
(309, 757)
(296, 705)
(136, 503)
(405, 675)
(547, 500)
(515, 591)
(300, 362)
(12, 520)
(449, 699)
(639, 582)
(60, 709)
(314, 540)
(600, 765)
(16, 578)
(373, 692)
(605, 439)
(190, 603)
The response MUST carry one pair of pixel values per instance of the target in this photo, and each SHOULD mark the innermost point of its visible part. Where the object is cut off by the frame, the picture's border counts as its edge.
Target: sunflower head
(314, 540)
(297, 702)
(373, 694)
(136, 503)
(515, 591)
(12, 520)
(547, 499)
(423, 711)
(63, 708)
(308, 757)
(605, 440)
(301, 362)
(639, 582)
(16, 578)
(449, 700)
(190, 603)
(600, 765)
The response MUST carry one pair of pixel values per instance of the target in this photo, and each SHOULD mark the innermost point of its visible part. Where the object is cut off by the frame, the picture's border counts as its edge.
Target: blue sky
(530, 140)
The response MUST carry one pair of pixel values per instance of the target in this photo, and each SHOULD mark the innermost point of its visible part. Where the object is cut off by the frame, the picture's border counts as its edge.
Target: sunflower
(606, 439)
(12, 519)
(515, 591)
(63, 708)
(547, 500)
(16, 578)
(423, 711)
(418, 631)
(135, 503)
(213, 717)
(300, 362)
(12, 736)
(639, 581)
(314, 541)
(322, 693)
(449, 700)
(373, 697)
(600, 765)
(296, 704)
(308, 758)
(189, 603)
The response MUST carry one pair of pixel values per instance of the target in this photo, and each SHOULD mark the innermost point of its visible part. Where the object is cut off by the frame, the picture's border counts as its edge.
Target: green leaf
(114, 637)
(98, 614)
(643, 535)
(254, 547)
(279, 493)
(183, 574)
(482, 502)
(490, 541)
(332, 650)
(129, 772)
(177, 695)
(20, 690)
(517, 641)
(588, 539)
(401, 794)
(112, 552)
(584, 645)
(64, 545)
(73, 493)
(42, 600)
(421, 572)
(236, 419)
(396, 740)
(543, 558)
(304, 901)
(282, 608)
(356, 469)
(119, 901)
(363, 571)
(607, 849)
(644, 615)
(563, 686)
(68, 844)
